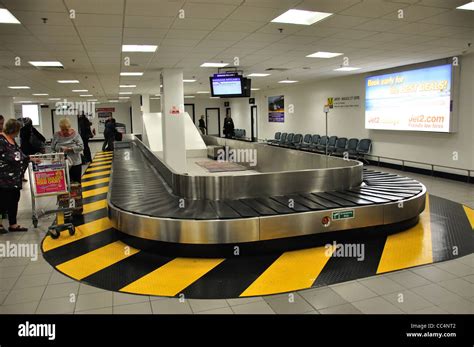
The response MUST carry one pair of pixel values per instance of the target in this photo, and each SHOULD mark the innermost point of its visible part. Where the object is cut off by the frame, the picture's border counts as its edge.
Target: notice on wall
(276, 108)
(102, 115)
(344, 101)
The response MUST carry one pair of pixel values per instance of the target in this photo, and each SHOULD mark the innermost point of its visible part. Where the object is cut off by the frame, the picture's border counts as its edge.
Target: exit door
(213, 121)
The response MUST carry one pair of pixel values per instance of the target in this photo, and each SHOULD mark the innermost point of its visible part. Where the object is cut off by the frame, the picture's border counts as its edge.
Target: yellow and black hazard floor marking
(100, 256)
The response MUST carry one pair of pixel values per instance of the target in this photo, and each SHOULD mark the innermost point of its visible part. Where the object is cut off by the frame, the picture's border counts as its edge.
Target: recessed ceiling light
(80, 90)
(139, 48)
(254, 89)
(19, 87)
(287, 81)
(25, 102)
(86, 95)
(46, 63)
(68, 81)
(189, 96)
(214, 64)
(131, 74)
(54, 99)
(468, 6)
(347, 68)
(6, 17)
(113, 101)
(40, 94)
(301, 17)
(128, 85)
(324, 55)
(125, 93)
(214, 97)
(92, 100)
(189, 81)
(258, 75)
(124, 97)
(202, 92)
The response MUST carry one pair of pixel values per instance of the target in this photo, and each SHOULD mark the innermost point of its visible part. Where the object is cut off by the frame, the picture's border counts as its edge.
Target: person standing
(228, 126)
(109, 135)
(85, 132)
(202, 125)
(32, 141)
(67, 140)
(13, 164)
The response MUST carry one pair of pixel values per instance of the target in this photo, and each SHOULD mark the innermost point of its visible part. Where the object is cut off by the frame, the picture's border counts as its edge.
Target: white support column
(145, 103)
(7, 109)
(137, 115)
(172, 111)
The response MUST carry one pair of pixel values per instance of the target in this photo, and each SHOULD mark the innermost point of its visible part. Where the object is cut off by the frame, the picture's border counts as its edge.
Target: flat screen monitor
(231, 86)
(410, 100)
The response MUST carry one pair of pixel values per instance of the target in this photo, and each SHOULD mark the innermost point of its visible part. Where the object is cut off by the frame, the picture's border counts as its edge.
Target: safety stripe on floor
(97, 255)
(409, 248)
(94, 182)
(95, 174)
(100, 163)
(98, 168)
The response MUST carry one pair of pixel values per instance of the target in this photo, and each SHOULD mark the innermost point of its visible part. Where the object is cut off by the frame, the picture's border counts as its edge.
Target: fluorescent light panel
(92, 100)
(54, 99)
(189, 96)
(254, 89)
(131, 74)
(258, 75)
(80, 90)
(287, 81)
(188, 81)
(6, 17)
(139, 48)
(468, 6)
(125, 93)
(325, 55)
(46, 63)
(128, 85)
(124, 97)
(40, 94)
(301, 17)
(68, 81)
(19, 87)
(202, 92)
(86, 95)
(347, 68)
(214, 64)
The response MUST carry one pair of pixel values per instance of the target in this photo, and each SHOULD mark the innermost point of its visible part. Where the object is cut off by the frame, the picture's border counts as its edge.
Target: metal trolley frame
(49, 176)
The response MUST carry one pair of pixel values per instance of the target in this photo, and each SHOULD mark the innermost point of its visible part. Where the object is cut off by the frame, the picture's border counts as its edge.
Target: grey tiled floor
(448, 287)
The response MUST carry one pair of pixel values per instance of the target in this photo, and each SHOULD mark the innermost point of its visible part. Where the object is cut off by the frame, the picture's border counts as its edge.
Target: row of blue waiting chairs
(332, 145)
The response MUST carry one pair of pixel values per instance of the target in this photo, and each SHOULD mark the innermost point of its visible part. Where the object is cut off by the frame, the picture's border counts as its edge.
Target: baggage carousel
(292, 194)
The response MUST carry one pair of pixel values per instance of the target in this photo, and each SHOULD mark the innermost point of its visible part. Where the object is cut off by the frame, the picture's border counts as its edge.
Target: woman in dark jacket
(13, 164)
(32, 141)
(109, 135)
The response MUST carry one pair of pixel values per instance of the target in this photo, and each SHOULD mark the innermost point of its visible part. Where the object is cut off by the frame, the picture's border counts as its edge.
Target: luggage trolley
(49, 176)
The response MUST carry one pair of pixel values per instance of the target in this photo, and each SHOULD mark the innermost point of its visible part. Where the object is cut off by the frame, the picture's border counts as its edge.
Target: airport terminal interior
(237, 157)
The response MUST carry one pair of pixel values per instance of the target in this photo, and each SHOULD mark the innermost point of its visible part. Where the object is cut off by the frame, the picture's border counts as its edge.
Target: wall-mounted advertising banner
(276, 108)
(102, 115)
(344, 101)
(416, 100)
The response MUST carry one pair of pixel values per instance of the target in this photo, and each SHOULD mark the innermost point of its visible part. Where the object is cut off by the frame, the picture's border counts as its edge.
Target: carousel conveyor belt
(137, 190)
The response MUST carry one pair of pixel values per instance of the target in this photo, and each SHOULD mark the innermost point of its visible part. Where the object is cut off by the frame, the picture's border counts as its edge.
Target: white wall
(308, 117)
(6, 107)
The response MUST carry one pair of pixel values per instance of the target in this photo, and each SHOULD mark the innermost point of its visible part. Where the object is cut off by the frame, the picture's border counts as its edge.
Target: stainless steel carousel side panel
(185, 230)
(307, 223)
(405, 209)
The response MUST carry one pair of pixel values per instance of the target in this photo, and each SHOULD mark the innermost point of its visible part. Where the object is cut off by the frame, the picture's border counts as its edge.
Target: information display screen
(412, 100)
(226, 86)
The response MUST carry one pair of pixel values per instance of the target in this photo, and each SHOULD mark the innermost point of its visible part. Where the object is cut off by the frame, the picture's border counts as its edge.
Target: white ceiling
(89, 46)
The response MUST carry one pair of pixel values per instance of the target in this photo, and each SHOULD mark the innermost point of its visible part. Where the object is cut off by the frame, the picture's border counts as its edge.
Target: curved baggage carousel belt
(104, 257)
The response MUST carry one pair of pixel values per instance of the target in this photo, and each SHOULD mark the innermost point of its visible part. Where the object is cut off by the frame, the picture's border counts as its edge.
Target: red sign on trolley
(50, 182)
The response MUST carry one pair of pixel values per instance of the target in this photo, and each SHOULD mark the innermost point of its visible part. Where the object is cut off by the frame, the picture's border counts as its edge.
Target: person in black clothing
(13, 164)
(202, 125)
(84, 125)
(109, 135)
(2, 120)
(228, 126)
(32, 142)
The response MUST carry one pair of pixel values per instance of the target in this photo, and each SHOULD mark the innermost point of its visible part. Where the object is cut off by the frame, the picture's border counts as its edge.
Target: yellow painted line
(94, 192)
(409, 248)
(101, 160)
(293, 270)
(94, 182)
(99, 168)
(171, 278)
(95, 206)
(95, 174)
(94, 261)
(100, 163)
(82, 231)
(103, 152)
(470, 215)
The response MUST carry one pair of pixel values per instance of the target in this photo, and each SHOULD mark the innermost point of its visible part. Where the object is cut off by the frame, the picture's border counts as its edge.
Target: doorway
(191, 111)
(253, 123)
(213, 121)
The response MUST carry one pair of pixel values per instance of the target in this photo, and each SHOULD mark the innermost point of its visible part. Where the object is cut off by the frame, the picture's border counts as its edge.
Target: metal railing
(432, 166)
